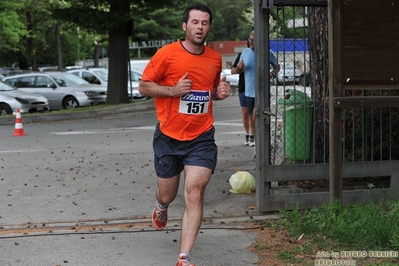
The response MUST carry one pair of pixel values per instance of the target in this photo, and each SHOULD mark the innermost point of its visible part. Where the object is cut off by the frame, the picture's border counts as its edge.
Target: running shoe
(159, 218)
(246, 142)
(251, 141)
(184, 261)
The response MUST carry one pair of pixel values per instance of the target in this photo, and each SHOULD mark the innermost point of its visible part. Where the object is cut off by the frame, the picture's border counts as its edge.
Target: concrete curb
(50, 117)
(139, 105)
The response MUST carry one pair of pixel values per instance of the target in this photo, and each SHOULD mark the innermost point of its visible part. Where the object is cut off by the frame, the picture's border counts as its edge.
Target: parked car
(4, 70)
(1, 77)
(139, 64)
(12, 99)
(63, 90)
(289, 73)
(232, 79)
(305, 79)
(92, 75)
(100, 76)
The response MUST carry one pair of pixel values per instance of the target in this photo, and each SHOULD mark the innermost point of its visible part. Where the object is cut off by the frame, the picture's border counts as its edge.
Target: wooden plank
(278, 173)
(335, 56)
(263, 92)
(370, 42)
(373, 4)
(382, 87)
(308, 3)
(318, 199)
(367, 101)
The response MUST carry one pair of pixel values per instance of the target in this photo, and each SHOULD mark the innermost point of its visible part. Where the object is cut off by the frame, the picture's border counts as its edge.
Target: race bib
(195, 103)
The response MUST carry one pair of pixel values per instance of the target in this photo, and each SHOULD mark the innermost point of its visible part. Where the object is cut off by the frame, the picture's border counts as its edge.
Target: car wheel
(70, 102)
(5, 109)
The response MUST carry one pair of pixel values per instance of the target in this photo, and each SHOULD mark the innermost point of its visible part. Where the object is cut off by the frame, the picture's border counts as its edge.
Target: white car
(63, 90)
(232, 79)
(12, 99)
(289, 73)
(100, 76)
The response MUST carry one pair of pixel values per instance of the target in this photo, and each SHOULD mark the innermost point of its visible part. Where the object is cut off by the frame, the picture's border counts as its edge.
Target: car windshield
(289, 66)
(135, 76)
(103, 74)
(227, 71)
(68, 79)
(6, 87)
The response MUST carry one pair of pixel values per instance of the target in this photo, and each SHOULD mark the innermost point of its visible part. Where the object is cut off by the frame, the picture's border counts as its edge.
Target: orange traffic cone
(19, 129)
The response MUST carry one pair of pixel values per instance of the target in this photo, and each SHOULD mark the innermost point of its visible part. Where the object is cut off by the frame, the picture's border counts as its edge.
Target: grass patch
(302, 237)
(357, 227)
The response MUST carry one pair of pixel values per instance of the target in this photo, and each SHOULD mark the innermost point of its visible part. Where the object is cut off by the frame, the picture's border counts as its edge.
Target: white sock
(162, 207)
(185, 255)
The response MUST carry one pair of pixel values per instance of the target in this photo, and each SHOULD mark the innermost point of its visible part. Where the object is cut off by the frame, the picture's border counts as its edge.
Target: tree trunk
(318, 49)
(58, 43)
(118, 56)
(29, 41)
(97, 49)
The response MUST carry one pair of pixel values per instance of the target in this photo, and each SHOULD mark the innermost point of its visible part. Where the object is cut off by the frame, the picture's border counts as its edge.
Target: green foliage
(279, 23)
(233, 20)
(357, 227)
(159, 24)
(11, 28)
(28, 28)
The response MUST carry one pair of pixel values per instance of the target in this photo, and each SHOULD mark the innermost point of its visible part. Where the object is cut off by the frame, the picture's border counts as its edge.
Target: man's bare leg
(196, 180)
(167, 189)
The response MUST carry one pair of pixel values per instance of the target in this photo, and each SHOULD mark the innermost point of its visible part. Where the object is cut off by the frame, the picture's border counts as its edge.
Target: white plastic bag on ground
(242, 182)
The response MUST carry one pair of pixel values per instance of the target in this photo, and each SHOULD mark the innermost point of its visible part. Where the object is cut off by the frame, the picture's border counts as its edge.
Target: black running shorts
(171, 155)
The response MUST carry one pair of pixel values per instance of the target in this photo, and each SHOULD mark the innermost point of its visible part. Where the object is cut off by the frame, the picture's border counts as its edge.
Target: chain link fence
(291, 96)
(299, 99)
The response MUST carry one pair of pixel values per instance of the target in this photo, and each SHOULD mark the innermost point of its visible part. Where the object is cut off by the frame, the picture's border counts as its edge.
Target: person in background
(184, 78)
(241, 97)
(247, 66)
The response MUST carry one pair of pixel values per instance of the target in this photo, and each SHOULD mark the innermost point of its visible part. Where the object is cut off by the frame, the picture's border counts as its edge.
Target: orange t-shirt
(188, 116)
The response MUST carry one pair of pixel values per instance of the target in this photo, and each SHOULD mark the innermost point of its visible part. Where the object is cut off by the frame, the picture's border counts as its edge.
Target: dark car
(305, 79)
(4, 70)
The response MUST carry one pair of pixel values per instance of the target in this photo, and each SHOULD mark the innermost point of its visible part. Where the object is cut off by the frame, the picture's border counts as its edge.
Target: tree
(233, 20)
(12, 30)
(80, 28)
(112, 17)
(318, 49)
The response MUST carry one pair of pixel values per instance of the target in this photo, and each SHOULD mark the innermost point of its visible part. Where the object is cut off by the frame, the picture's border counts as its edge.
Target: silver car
(63, 90)
(12, 99)
(100, 76)
(289, 73)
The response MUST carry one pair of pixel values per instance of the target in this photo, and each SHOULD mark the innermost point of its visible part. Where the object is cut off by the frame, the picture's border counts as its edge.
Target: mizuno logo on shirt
(197, 97)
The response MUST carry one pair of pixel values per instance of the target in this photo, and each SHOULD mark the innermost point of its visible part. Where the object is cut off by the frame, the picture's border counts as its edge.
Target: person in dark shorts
(247, 66)
(184, 78)
(241, 97)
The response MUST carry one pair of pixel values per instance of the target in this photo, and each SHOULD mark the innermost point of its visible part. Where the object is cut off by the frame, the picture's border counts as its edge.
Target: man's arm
(155, 90)
(273, 62)
(152, 89)
(234, 69)
(238, 69)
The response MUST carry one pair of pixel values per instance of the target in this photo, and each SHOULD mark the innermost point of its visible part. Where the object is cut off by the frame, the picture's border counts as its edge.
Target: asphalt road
(80, 191)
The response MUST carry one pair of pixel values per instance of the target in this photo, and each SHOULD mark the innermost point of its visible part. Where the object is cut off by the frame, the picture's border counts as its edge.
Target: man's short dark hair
(197, 6)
